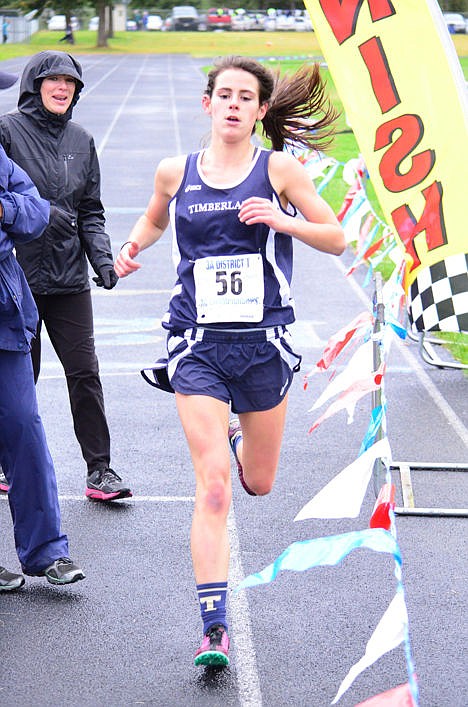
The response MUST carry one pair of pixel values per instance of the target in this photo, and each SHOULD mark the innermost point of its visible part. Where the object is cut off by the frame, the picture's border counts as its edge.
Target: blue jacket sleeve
(25, 213)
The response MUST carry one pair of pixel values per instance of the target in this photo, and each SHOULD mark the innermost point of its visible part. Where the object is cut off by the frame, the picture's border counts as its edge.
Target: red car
(218, 18)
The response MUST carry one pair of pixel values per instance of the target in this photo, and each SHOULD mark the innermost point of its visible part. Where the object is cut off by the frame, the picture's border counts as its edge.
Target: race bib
(229, 288)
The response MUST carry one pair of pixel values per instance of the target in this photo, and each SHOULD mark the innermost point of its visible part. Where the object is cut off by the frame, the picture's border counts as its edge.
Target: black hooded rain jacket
(60, 157)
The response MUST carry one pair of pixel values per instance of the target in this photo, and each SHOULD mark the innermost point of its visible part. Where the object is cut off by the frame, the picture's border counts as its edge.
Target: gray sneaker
(10, 581)
(62, 571)
(106, 485)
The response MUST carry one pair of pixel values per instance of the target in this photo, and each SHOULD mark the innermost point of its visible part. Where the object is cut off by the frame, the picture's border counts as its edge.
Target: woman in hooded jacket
(60, 157)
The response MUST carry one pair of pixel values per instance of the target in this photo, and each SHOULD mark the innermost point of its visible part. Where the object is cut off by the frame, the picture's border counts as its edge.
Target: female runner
(232, 209)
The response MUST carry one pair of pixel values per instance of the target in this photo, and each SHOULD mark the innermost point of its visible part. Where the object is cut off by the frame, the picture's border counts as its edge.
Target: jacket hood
(47, 63)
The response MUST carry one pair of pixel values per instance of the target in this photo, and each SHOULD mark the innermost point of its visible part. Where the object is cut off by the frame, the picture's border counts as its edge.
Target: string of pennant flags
(343, 496)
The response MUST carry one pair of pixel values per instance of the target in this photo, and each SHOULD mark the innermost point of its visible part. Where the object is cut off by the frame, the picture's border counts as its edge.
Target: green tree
(69, 8)
(61, 7)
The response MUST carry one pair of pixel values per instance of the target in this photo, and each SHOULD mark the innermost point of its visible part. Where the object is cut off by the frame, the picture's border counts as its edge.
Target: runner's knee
(215, 497)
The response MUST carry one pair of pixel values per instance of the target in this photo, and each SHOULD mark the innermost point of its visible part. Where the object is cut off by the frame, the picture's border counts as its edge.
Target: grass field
(197, 44)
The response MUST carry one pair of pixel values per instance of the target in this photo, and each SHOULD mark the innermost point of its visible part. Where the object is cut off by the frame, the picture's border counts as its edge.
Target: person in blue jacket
(24, 455)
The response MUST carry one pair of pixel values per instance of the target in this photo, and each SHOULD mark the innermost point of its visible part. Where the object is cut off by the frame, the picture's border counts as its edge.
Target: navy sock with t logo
(212, 598)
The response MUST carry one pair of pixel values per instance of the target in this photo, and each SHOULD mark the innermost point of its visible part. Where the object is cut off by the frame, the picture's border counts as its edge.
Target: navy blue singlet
(204, 221)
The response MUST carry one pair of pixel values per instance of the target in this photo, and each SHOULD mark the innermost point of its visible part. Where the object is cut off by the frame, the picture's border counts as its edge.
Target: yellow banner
(399, 78)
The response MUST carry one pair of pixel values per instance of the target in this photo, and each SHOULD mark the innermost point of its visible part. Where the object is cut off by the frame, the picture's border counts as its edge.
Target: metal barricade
(409, 508)
(379, 472)
(404, 467)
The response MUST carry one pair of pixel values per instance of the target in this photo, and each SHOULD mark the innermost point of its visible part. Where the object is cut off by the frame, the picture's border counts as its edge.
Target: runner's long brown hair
(299, 110)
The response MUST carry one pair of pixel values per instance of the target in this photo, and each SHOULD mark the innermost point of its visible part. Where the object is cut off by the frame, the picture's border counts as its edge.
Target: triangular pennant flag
(327, 178)
(348, 200)
(354, 170)
(342, 497)
(383, 254)
(398, 328)
(359, 197)
(337, 342)
(369, 276)
(359, 366)
(359, 258)
(382, 515)
(389, 633)
(398, 697)
(317, 164)
(365, 228)
(352, 221)
(305, 554)
(351, 395)
(394, 296)
(374, 425)
(373, 248)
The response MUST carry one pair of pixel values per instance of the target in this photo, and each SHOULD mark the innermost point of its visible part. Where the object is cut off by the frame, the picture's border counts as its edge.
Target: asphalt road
(126, 635)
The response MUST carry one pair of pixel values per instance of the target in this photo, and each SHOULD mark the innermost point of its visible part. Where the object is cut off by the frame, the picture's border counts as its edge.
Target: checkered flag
(438, 298)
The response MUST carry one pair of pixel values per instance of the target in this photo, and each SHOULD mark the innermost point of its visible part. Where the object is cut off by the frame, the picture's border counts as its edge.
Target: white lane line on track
(248, 682)
(86, 91)
(120, 109)
(246, 662)
(140, 499)
(175, 117)
(438, 399)
(125, 209)
(129, 293)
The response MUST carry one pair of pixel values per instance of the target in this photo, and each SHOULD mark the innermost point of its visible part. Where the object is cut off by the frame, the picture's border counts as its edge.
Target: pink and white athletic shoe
(3, 482)
(234, 434)
(214, 648)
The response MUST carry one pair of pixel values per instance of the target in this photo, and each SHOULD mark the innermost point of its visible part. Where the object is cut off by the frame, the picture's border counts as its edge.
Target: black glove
(107, 277)
(62, 222)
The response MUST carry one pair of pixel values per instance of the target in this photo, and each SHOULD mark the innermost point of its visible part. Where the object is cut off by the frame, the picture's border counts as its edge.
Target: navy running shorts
(252, 369)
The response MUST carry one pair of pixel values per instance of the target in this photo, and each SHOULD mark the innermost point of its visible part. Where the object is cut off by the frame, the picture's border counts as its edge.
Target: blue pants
(28, 467)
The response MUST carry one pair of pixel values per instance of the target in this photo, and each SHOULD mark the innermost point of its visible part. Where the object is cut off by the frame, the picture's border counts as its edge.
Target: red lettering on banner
(381, 77)
(412, 131)
(342, 15)
(431, 221)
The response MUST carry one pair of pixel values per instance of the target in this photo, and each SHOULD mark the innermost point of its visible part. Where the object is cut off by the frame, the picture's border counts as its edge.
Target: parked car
(93, 24)
(284, 23)
(302, 21)
(218, 18)
(269, 23)
(455, 22)
(154, 23)
(131, 26)
(202, 25)
(308, 21)
(295, 21)
(184, 17)
(242, 21)
(257, 19)
(59, 23)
